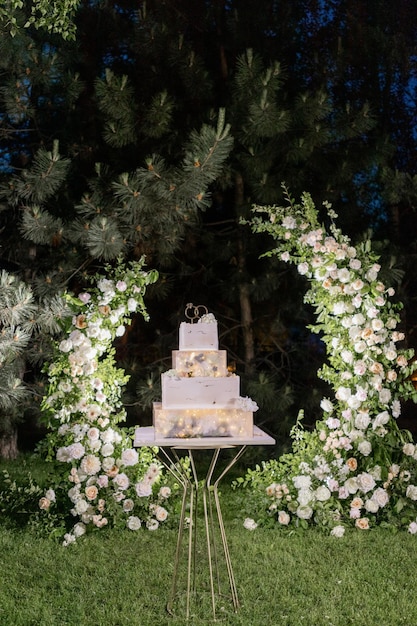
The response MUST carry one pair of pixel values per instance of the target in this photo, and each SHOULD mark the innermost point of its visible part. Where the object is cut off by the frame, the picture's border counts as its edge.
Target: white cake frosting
(200, 397)
(199, 391)
(200, 336)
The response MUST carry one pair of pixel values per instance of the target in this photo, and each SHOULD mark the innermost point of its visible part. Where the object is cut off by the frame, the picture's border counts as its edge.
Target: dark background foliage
(110, 145)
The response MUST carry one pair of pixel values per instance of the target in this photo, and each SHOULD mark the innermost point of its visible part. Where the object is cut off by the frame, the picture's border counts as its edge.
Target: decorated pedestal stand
(169, 450)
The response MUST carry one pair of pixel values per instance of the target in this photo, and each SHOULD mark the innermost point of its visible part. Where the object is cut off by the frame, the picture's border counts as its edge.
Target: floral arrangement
(105, 480)
(356, 468)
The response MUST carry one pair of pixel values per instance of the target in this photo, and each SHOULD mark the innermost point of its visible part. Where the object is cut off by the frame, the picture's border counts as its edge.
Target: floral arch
(356, 468)
(102, 479)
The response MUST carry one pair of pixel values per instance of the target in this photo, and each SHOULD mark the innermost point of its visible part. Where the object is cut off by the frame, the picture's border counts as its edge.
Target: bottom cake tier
(189, 423)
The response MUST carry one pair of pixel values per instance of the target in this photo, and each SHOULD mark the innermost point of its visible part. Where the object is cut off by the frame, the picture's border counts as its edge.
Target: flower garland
(106, 480)
(356, 468)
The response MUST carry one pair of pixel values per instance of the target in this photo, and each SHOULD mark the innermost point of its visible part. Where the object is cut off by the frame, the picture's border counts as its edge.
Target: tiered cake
(200, 397)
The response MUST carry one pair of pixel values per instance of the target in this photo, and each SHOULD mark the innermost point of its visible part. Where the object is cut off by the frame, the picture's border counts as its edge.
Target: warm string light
(203, 422)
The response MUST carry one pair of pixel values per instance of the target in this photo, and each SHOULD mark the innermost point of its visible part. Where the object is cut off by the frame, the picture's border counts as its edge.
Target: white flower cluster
(207, 318)
(336, 476)
(247, 404)
(107, 477)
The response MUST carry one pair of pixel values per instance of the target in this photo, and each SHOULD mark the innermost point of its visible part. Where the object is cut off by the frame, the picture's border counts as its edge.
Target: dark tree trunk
(244, 287)
(8, 445)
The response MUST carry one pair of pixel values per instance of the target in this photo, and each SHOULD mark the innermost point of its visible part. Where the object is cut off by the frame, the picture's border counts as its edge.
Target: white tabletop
(145, 436)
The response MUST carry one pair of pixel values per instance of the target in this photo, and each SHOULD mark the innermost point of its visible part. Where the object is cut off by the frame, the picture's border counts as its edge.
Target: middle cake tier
(200, 362)
(200, 391)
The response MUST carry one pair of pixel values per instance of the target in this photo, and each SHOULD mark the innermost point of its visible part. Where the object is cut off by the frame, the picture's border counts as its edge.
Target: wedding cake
(200, 396)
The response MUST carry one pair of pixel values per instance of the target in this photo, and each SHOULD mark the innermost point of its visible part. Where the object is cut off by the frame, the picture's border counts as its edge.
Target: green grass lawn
(122, 579)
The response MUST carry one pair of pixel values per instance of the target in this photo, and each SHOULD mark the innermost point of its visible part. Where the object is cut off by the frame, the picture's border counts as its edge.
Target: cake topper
(192, 312)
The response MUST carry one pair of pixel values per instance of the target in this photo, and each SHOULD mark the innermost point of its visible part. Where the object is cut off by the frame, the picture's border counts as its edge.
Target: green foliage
(54, 16)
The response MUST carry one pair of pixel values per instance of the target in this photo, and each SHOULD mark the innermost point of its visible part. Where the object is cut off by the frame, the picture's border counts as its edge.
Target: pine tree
(25, 325)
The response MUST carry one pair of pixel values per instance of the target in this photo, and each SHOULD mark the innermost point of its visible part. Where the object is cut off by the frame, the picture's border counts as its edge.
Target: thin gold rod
(207, 486)
(232, 582)
(182, 478)
(209, 531)
(192, 541)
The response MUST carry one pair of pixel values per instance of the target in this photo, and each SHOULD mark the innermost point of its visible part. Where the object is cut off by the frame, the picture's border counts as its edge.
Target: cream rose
(283, 518)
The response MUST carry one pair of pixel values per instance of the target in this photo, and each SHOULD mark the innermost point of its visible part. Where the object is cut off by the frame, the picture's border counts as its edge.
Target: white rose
(132, 305)
(50, 494)
(122, 481)
(380, 496)
(130, 457)
(351, 485)
(108, 463)
(343, 394)
(304, 512)
(339, 308)
(93, 433)
(362, 421)
(79, 529)
(304, 496)
(365, 448)
(143, 489)
(366, 482)
(65, 345)
(380, 420)
(360, 347)
(409, 449)
(384, 396)
(90, 465)
(249, 524)
(322, 493)
(289, 222)
(337, 531)
(133, 522)
(326, 405)
(301, 482)
(164, 492)
(371, 506)
(81, 506)
(411, 492)
(107, 449)
(128, 505)
(107, 436)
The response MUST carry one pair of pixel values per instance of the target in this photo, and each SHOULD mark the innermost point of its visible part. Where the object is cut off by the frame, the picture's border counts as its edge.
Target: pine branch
(104, 240)
(17, 306)
(116, 100)
(41, 181)
(40, 226)
(13, 342)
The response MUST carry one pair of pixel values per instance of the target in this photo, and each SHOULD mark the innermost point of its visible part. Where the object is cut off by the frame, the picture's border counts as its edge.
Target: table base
(207, 490)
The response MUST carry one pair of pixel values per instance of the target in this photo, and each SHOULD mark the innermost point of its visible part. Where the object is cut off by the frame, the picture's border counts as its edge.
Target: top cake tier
(199, 336)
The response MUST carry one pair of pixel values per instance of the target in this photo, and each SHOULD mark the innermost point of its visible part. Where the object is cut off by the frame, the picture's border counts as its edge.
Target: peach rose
(362, 523)
(352, 464)
(44, 504)
(91, 492)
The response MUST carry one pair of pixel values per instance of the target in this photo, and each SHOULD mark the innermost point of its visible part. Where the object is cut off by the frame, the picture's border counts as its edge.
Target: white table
(190, 482)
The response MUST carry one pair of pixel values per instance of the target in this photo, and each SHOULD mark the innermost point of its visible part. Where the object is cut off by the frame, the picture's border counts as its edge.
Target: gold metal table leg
(190, 486)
